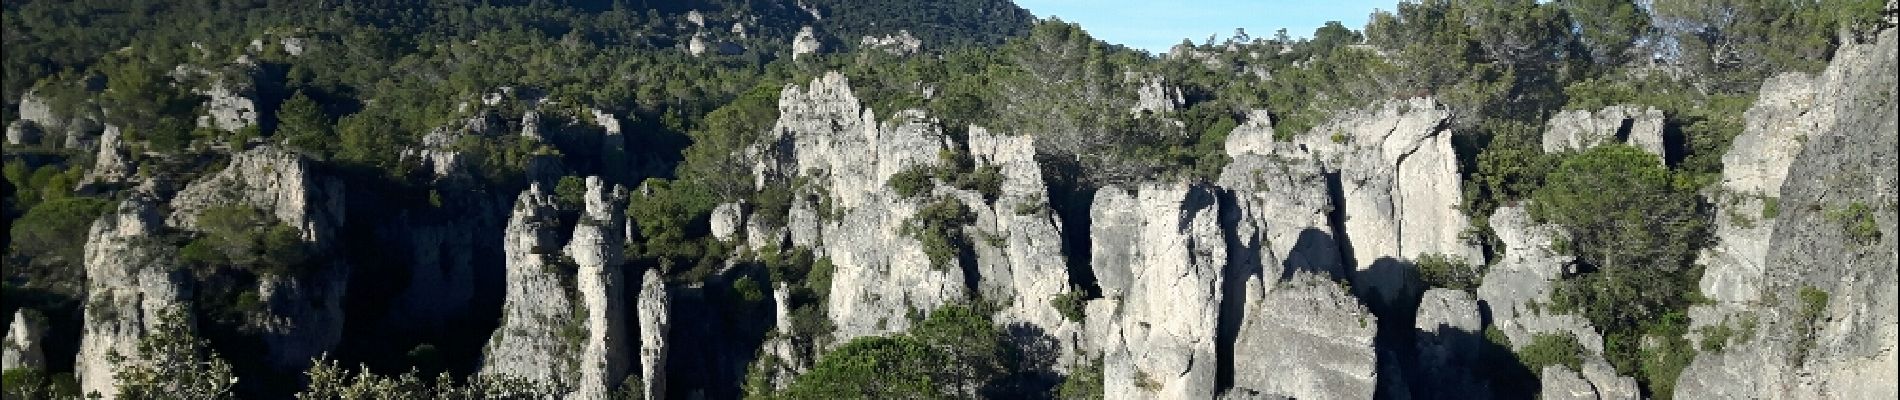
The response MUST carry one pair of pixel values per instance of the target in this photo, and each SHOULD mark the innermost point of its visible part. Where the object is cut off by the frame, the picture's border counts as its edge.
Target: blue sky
(1155, 25)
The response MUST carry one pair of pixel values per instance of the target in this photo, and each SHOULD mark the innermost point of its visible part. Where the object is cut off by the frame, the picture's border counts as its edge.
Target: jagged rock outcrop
(1581, 129)
(22, 346)
(806, 43)
(40, 123)
(1253, 136)
(1398, 189)
(825, 136)
(131, 279)
(1305, 338)
(1157, 96)
(1158, 253)
(1825, 323)
(232, 105)
(23, 133)
(654, 313)
(564, 314)
(113, 163)
(281, 183)
(541, 337)
(303, 315)
(1280, 213)
(596, 247)
(726, 220)
(900, 43)
(1517, 290)
(1449, 340)
(1025, 270)
(1514, 286)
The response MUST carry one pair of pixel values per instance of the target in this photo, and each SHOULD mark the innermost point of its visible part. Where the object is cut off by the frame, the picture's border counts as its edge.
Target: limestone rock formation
(23, 133)
(1580, 129)
(596, 247)
(1158, 254)
(1449, 340)
(655, 313)
(1524, 278)
(232, 106)
(1305, 338)
(131, 280)
(113, 163)
(540, 338)
(281, 183)
(900, 43)
(806, 43)
(564, 322)
(1825, 315)
(726, 220)
(303, 315)
(1253, 136)
(1156, 96)
(1399, 188)
(1026, 270)
(22, 346)
(1280, 213)
(825, 136)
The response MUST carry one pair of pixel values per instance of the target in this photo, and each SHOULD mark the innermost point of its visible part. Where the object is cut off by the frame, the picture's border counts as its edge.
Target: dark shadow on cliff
(717, 329)
(1032, 357)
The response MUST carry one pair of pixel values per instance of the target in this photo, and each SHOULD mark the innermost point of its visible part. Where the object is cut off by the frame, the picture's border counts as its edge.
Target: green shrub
(952, 353)
(911, 181)
(1439, 270)
(1552, 349)
(1083, 383)
(248, 239)
(1072, 304)
(1857, 221)
(939, 226)
(54, 232)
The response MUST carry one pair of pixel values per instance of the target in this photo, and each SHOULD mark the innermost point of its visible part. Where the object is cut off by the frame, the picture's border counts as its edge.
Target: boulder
(1578, 129)
(1305, 338)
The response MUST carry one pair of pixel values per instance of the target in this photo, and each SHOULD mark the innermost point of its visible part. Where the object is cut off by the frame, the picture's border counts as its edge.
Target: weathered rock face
(1253, 136)
(1026, 270)
(540, 338)
(655, 313)
(1154, 95)
(22, 346)
(900, 43)
(1305, 338)
(826, 137)
(1524, 277)
(1399, 188)
(1280, 215)
(1158, 254)
(564, 316)
(1516, 286)
(1579, 129)
(232, 105)
(806, 43)
(132, 279)
(726, 220)
(113, 163)
(596, 246)
(22, 133)
(1835, 234)
(280, 183)
(304, 311)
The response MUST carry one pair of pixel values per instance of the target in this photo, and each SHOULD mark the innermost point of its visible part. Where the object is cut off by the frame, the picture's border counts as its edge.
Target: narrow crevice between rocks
(1242, 262)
